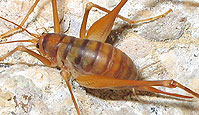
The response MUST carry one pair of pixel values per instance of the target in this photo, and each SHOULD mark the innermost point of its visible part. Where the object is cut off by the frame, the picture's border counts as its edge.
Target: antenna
(34, 35)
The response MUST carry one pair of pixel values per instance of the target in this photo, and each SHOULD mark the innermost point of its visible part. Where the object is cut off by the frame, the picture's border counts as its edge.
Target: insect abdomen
(95, 58)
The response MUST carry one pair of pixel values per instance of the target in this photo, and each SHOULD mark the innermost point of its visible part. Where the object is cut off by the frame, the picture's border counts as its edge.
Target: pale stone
(172, 40)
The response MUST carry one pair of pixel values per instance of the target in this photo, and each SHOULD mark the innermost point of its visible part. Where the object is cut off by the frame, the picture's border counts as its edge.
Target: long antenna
(33, 41)
(34, 35)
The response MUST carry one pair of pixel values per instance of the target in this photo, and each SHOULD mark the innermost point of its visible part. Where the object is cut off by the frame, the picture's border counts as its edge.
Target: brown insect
(91, 62)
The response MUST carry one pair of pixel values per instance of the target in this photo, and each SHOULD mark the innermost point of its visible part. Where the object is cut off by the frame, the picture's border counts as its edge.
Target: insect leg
(101, 28)
(102, 22)
(101, 82)
(66, 75)
(55, 17)
(23, 21)
(128, 20)
(149, 19)
(134, 93)
(152, 89)
(23, 49)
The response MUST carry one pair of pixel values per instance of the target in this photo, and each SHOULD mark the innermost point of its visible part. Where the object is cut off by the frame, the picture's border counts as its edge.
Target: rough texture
(172, 40)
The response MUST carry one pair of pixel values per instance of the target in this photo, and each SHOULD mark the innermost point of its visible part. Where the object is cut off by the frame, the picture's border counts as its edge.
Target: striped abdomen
(93, 57)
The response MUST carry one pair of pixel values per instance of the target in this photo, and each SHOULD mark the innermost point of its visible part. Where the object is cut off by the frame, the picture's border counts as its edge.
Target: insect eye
(37, 45)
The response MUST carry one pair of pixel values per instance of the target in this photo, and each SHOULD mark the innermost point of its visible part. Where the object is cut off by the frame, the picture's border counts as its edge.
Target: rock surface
(172, 40)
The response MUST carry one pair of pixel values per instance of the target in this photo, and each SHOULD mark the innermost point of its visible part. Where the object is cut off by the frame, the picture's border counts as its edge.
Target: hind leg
(102, 82)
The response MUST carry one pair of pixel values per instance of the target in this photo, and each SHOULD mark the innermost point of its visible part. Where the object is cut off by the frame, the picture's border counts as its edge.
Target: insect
(88, 60)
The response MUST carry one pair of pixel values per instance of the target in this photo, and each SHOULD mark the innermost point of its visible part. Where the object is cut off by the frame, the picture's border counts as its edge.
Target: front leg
(24, 49)
(23, 21)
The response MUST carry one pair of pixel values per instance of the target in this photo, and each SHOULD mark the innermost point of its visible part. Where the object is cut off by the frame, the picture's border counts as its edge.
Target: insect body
(90, 61)
(87, 56)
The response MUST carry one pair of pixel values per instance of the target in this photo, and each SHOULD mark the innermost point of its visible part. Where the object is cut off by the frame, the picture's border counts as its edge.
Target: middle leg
(101, 28)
